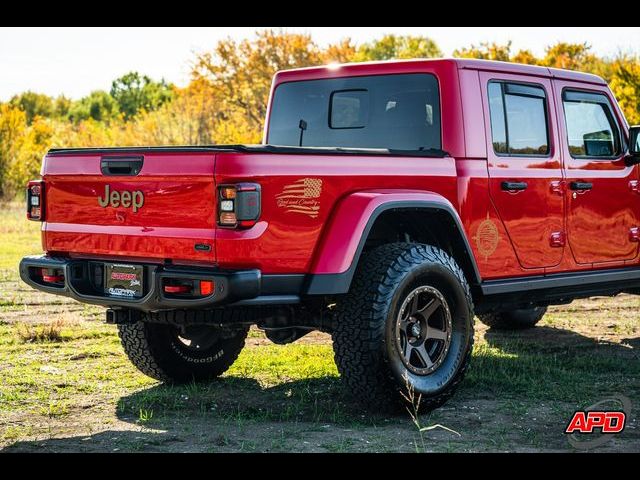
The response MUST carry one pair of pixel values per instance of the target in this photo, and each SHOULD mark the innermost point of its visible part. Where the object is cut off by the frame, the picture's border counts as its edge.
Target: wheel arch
(368, 219)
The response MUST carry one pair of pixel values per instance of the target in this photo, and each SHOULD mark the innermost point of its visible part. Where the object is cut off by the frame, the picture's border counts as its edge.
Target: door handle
(581, 185)
(514, 186)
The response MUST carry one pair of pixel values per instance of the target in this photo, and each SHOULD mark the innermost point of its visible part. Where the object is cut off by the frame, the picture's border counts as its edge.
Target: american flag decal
(301, 197)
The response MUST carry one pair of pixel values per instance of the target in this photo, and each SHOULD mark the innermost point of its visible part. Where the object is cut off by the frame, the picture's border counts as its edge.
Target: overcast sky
(75, 61)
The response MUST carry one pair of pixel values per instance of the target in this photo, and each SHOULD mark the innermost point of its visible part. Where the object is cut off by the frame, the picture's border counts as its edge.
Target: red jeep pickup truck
(388, 204)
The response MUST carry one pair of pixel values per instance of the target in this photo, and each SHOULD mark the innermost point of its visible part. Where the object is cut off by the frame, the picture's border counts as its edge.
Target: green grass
(64, 379)
(513, 370)
(18, 237)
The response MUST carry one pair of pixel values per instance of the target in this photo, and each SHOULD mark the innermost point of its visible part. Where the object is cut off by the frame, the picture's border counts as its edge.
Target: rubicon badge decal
(487, 238)
(301, 197)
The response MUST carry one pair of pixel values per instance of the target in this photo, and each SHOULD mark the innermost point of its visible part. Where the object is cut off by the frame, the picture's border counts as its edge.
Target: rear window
(399, 112)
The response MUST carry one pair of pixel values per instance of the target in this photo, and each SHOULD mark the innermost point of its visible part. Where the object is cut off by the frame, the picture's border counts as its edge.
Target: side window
(592, 131)
(498, 125)
(518, 119)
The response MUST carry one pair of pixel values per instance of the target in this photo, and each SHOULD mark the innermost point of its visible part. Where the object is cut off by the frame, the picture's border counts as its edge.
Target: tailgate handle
(127, 166)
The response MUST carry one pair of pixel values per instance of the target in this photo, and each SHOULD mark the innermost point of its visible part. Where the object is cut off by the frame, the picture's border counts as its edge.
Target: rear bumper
(237, 287)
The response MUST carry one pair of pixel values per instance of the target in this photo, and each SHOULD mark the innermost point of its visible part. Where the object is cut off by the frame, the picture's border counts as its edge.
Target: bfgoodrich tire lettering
(170, 355)
(364, 336)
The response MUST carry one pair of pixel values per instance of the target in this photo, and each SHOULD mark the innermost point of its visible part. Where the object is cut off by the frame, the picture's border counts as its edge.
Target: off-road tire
(157, 351)
(519, 319)
(363, 338)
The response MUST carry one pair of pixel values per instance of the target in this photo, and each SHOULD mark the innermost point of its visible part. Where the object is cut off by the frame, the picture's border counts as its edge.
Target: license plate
(123, 280)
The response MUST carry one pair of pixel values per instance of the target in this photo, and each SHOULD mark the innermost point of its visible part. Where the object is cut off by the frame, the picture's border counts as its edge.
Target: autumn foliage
(225, 101)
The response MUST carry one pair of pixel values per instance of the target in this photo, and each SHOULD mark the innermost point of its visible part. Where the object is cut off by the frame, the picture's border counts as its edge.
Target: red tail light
(206, 287)
(188, 287)
(177, 289)
(50, 275)
(35, 200)
(239, 205)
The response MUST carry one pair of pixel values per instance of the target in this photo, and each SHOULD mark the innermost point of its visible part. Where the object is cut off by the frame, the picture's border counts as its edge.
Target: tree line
(226, 98)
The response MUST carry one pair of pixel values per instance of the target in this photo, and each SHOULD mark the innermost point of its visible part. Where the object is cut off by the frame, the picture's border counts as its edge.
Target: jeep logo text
(123, 199)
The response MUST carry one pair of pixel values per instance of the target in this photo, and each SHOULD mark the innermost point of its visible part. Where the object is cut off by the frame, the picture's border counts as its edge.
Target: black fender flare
(339, 283)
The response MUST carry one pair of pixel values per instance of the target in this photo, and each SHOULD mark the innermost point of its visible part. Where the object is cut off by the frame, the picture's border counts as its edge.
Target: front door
(602, 191)
(524, 162)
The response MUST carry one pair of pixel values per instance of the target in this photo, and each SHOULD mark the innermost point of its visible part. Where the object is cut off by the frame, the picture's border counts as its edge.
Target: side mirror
(633, 157)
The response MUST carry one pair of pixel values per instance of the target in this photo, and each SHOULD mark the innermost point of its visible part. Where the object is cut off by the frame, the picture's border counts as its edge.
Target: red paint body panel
(530, 216)
(599, 220)
(178, 210)
(510, 234)
(475, 207)
(288, 243)
(473, 115)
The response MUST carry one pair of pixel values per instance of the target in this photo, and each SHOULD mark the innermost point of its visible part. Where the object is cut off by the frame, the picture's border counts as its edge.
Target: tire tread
(360, 323)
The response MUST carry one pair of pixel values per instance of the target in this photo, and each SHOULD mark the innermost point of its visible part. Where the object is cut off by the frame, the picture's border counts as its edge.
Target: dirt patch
(481, 425)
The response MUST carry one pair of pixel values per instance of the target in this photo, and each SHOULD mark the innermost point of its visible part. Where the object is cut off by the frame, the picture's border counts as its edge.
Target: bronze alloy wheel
(405, 328)
(423, 330)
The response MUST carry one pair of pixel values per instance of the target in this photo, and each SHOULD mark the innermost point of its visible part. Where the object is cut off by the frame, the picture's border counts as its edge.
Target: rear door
(97, 204)
(602, 193)
(524, 164)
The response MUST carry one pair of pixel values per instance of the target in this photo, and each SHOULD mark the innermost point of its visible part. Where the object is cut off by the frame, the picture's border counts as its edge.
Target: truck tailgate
(165, 211)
